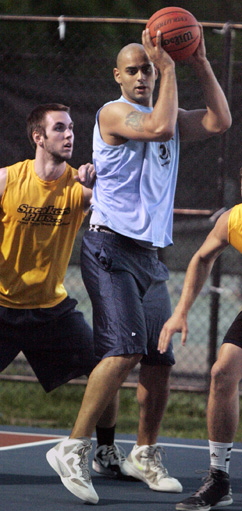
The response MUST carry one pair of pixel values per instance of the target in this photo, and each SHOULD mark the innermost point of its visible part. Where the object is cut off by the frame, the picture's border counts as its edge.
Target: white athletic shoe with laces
(144, 463)
(69, 459)
(108, 460)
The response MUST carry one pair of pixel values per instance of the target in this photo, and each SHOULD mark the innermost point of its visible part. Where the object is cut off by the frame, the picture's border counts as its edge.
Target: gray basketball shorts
(127, 287)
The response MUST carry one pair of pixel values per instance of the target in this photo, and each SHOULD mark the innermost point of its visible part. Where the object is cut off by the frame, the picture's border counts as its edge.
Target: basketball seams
(180, 31)
(178, 28)
(161, 15)
(179, 49)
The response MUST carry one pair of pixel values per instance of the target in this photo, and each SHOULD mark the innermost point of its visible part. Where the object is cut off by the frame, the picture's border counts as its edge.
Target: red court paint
(8, 438)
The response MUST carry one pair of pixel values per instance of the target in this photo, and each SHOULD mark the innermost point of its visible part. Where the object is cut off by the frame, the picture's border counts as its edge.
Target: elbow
(165, 134)
(227, 123)
(224, 125)
(168, 135)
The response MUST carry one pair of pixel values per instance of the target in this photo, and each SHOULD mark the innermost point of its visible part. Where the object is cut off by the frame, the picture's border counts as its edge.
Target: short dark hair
(36, 118)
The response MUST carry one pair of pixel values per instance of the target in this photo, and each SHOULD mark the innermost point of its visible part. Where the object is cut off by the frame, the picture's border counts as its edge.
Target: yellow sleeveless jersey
(38, 224)
(235, 227)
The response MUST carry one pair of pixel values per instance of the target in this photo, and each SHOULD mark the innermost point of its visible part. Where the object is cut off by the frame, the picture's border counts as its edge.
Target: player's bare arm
(119, 122)
(3, 180)
(197, 273)
(87, 194)
(135, 120)
(86, 175)
(166, 107)
(215, 119)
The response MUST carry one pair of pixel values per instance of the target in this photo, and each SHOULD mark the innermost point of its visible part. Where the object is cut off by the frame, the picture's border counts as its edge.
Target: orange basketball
(180, 32)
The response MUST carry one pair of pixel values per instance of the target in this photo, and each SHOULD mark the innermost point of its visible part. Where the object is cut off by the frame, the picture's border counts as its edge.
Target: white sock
(220, 455)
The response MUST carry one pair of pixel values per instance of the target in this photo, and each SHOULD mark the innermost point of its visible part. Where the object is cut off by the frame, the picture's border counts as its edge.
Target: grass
(26, 404)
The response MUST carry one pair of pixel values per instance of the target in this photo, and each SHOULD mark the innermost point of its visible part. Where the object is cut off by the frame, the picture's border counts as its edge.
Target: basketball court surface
(28, 483)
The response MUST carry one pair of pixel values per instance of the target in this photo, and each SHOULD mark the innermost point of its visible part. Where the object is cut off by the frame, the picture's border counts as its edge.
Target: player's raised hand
(156, 54)
(176, 323)
(86, 175)
(200, 52)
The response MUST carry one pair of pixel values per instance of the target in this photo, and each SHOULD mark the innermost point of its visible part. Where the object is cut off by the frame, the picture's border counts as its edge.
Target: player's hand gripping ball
(180, 32)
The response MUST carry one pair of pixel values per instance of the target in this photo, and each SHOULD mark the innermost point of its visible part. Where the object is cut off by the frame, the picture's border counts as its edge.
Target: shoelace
(154, 457)
(117, 452)
(82, 463)
(208, 481)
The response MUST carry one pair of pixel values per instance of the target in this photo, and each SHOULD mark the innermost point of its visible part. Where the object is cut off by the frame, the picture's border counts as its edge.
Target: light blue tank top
(135, 186)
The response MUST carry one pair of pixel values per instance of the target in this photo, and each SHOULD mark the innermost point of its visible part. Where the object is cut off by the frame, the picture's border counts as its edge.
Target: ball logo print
(180, 31)
(178, 39)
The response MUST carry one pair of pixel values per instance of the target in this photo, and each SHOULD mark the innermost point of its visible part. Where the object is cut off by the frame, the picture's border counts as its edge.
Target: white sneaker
(144, 463)
(69, 459)
(108, 460)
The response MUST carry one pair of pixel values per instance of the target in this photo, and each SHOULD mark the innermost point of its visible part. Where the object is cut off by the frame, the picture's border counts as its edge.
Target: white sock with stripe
(220, 455)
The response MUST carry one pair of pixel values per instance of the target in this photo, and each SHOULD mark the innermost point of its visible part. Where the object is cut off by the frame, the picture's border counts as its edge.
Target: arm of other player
(86, 175)
(197, 273)
(3, 180)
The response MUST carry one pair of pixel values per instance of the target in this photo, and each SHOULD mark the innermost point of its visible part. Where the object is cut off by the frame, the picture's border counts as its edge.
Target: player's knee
(222, 378)
(132, 360)
(123, 363)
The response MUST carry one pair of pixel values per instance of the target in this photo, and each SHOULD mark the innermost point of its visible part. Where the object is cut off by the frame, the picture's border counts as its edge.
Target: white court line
(32, 444)
(119, 441)
(5, 432)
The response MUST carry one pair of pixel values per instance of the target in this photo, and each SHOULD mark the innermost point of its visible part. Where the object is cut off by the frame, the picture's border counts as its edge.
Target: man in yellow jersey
(43, 204)
(223, 403)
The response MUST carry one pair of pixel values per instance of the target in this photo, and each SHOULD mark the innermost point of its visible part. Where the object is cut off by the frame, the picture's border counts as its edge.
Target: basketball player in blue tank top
(136, 153)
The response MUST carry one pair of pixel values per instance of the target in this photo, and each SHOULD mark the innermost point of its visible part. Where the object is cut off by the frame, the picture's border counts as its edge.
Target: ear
(37, 138)
(116, 75)
(156, 73)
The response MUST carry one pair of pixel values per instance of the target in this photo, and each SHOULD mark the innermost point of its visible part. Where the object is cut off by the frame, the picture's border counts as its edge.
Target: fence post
(223, 153)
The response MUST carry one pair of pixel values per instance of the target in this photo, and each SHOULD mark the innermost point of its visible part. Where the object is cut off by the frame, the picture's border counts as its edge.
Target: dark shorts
(234, 333)
(57, 342)
(126, 284)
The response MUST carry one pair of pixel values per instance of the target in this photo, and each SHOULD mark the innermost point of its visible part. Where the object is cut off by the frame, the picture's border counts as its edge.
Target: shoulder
(115, 109)
(71, 170)
(223, 219)
(235, 227)
(235, 216)
(221, 228)
(11, 172)
(237, 209)
(20, 166)
(217, 240)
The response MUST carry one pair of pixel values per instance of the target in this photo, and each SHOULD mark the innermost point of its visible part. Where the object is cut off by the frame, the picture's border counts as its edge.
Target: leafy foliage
(26, 404)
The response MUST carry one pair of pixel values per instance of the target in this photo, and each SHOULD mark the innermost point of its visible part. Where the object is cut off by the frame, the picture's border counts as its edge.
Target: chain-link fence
(70, 60)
